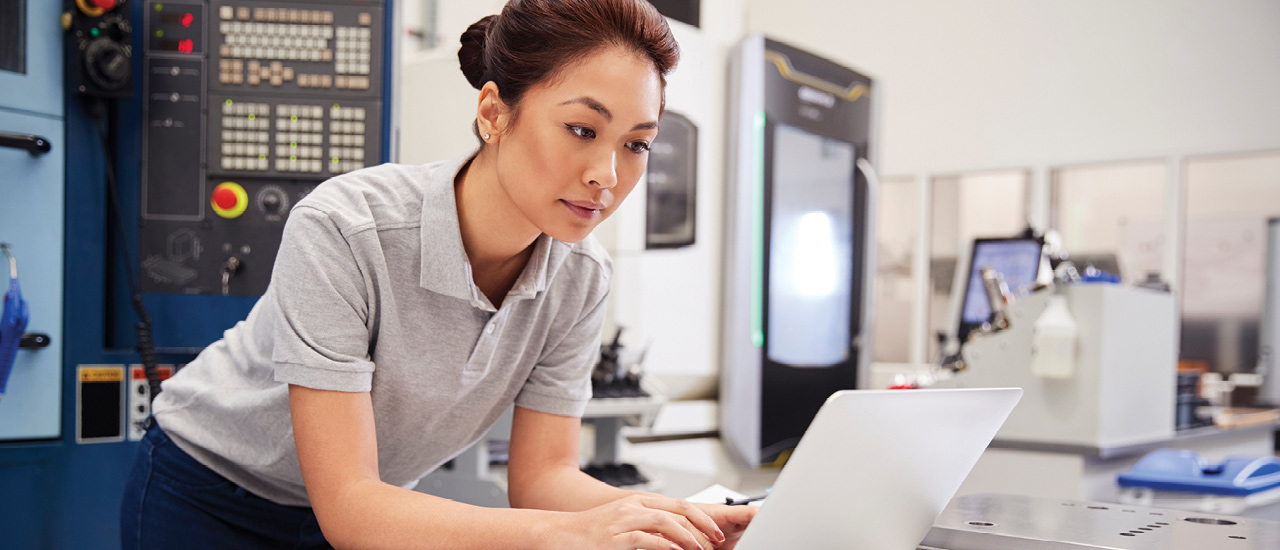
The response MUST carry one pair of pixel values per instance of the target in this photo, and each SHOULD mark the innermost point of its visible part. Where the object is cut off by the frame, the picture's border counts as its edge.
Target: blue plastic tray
(1187, 472)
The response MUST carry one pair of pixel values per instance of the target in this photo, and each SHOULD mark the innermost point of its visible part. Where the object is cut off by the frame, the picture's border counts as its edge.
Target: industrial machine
(798, 246)
(167, 142)
(1097, 361)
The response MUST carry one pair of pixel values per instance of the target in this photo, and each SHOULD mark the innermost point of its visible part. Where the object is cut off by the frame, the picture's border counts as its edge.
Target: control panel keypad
(245, 136)
(274, 47)
(315, 67)
(346, 138)
(299, 132)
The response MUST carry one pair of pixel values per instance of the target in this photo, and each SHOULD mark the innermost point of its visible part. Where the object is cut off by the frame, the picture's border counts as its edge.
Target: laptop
(876, 468)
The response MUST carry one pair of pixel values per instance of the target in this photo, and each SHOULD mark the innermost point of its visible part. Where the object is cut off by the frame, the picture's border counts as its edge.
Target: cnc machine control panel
(248, 106)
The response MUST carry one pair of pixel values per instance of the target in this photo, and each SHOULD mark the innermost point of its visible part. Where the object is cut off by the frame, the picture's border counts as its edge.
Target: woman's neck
(497, 237)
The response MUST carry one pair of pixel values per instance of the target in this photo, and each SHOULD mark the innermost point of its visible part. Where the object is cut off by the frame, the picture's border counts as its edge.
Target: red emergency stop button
(230, 200)
(104, 4)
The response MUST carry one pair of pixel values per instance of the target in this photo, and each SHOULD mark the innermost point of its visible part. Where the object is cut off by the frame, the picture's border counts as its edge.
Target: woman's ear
(492, 114)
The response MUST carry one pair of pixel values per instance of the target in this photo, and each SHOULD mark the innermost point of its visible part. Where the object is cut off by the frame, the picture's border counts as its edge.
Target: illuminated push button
(229, 200)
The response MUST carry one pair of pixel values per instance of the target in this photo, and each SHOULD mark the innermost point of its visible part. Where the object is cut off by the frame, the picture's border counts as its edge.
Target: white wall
(1011, 83)
(437, 105)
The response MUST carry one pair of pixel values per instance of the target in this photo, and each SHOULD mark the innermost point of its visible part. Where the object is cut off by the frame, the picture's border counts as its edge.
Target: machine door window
(811, 249)
(13, 36)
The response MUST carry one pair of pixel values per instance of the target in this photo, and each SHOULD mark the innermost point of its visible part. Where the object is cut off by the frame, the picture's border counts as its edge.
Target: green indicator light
(335, 106)
(335, 160)
(757, 252)
(228, 102)
(252, 117)
(293, 158)
(159, 7)
(159, 34)
(94, 32)
(294, 118)
(293, 144)
(262, 157)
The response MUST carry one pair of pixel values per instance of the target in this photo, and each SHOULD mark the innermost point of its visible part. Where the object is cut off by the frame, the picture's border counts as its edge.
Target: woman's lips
(583, 209)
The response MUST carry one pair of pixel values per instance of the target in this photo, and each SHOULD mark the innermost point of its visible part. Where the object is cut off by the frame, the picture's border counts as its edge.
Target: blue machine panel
(57, 210)
(31, 194)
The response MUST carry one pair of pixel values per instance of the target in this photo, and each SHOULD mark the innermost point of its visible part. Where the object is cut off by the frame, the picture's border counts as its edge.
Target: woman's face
(580, 142)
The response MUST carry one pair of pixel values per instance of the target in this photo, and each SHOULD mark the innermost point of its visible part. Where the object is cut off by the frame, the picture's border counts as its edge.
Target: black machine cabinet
(799, 245)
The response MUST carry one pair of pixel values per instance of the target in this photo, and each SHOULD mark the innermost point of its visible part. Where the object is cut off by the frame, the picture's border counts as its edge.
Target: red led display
(186, 46)
(187, 19)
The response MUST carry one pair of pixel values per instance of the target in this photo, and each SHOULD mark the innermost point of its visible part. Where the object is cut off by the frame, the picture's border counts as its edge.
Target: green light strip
(757, 253)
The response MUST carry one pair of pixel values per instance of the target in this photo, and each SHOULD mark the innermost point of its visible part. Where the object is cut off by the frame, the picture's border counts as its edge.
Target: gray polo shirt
(372, 292)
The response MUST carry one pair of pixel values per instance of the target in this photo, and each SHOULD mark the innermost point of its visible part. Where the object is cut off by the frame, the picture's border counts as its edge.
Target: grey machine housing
(820, 115)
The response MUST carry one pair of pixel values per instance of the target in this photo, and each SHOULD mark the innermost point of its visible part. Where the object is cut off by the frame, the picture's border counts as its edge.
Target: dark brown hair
(531, 40)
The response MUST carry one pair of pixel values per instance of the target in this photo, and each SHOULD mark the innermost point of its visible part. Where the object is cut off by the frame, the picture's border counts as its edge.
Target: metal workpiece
(983, 522)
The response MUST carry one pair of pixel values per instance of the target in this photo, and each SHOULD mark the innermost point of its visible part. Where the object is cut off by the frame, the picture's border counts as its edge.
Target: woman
(410, 306)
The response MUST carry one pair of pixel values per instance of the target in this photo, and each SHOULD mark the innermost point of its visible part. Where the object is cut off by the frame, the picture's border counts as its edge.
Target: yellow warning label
(101, 374)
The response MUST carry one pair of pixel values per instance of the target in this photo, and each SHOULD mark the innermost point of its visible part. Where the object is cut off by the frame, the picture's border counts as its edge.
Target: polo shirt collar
(445, 268)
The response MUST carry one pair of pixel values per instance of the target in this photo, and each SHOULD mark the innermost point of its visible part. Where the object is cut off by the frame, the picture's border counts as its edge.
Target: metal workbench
(1004, 522)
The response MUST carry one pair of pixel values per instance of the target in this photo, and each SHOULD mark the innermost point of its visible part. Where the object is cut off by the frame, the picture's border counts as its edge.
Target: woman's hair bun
(471, 55)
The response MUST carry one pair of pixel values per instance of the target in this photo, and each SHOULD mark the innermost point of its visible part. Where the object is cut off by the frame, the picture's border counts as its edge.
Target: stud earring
(486, 137)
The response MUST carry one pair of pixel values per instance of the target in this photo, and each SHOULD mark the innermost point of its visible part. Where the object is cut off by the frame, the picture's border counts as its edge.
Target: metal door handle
(35, 145)
(34, 341)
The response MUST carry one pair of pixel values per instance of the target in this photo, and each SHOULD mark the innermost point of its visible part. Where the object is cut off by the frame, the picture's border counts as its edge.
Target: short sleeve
(320, 331)
(560, 383)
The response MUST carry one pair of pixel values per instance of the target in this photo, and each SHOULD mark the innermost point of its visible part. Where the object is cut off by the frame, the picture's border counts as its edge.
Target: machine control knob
(107, 64)
(229, 200)
(273, 201)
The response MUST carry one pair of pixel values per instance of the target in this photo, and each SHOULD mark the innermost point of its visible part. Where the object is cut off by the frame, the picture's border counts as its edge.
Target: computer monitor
(1017, 259)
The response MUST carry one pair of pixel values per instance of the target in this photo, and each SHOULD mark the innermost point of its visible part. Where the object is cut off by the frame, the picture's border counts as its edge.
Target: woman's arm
(338, 452)
(543, 472)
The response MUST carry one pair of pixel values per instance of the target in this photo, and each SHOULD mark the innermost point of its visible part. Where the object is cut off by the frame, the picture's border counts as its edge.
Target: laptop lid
(877, 467)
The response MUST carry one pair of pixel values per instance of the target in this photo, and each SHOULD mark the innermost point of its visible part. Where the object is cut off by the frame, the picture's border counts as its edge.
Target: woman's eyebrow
(598, 107)
(594, 105)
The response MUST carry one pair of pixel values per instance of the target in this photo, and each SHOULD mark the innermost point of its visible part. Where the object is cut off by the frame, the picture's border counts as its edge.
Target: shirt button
(489, 329)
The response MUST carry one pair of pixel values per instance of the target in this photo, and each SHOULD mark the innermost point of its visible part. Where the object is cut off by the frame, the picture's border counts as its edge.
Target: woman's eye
(638, 147)
(582, 132)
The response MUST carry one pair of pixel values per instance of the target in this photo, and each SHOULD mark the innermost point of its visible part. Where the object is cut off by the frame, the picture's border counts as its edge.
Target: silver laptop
(876, 468)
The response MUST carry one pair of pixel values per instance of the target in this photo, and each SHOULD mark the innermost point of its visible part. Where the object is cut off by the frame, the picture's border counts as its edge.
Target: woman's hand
(644, 522)
(732, 521)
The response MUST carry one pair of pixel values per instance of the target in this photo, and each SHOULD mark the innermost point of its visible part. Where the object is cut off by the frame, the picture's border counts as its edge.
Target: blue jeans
(173, 501)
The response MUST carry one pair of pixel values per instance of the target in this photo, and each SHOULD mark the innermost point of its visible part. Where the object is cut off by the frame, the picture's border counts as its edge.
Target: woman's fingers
(699, 520)
(675, 528)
